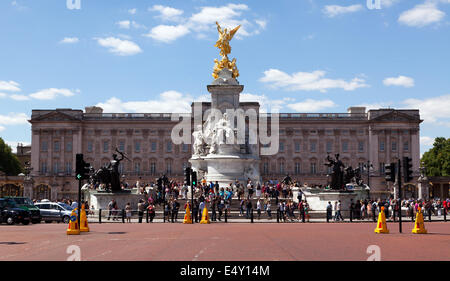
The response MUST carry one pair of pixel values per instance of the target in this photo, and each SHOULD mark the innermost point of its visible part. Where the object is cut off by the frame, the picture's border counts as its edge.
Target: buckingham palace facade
(363, 139)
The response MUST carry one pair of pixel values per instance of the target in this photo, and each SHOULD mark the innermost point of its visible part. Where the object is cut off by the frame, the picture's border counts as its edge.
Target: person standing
(175, 208)
(140, 210)
(151, 211)
(268, 210)
(213, 208)
(128, 212)
(258, 208)
(329, 211)
(249, 207)
(338, 211)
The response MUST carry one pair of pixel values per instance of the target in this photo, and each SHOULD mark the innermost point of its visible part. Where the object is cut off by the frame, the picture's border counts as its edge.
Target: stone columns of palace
(35, 150)
(415, 149)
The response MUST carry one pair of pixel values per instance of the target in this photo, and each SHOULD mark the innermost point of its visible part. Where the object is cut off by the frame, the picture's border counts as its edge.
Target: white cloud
(266, 104)
(309, 81)
(435, 110)
(10, 86)
(401, 80)
(2, 128)
(13, 119)
(422, 15)
(119, 47)
(19, 97)
(168, 102)
(310, 105)
(132, 11)
(261, 23)
(167, 13)
(335, 10)
(388, 3)
(3, 95)
(51, 93)
(168, 33)
(125, 24)
(69, 40)
(228, 16)
(428, 141)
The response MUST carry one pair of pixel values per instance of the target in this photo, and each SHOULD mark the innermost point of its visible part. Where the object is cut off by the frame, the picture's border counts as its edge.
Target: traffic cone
(73, 224)
(83, 220)
(205, 216)
(419, 226)
(187, 216)
(381, 224)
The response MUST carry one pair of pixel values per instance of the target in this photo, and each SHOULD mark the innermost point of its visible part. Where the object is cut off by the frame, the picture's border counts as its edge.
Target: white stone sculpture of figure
(198, 141)
(223, 126)
(214, 142)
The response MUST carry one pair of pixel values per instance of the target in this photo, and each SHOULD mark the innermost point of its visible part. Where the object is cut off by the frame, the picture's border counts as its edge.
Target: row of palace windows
(56, 146)
(394, 146)
(313, 146)
(137, 146)
(345, 146)
(312, 169)
(136, 167)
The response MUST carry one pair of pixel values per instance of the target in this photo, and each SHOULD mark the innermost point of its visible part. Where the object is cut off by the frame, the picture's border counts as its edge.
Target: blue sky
(157, 56)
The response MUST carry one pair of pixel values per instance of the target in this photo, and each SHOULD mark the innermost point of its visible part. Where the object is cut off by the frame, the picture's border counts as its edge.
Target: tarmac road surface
(224, 242)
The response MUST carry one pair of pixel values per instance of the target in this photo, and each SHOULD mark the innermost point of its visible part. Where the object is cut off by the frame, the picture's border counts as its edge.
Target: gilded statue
(223, 43)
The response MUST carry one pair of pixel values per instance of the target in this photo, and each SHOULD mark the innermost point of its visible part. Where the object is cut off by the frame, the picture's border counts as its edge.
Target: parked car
(51, 211)
(27, 205)
(11, 213)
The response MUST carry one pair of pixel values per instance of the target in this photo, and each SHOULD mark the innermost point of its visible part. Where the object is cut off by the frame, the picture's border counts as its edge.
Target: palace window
(169, 146)
(297, 146)
(68, 168)
(406, 146)
(56, 146)
(153, 146)
(69, 146)
(361, 146)
(313, 147)
(137, 167)
(44, 146)
(313, 168)
(297, 168)
(184, 147)
(137, 146)
(394, 146)
(153, 168)
(281, 146)
(122, 146)
(329, 146)
(90, 146)
(43, 167)
(381, 145)
(345, 146)
(282, 168)
(105, 146)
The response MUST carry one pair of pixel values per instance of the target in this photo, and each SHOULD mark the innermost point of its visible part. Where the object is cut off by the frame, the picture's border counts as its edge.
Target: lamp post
(368, 168)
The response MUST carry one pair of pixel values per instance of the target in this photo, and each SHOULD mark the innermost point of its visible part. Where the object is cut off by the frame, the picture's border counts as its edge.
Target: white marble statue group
(214, 134)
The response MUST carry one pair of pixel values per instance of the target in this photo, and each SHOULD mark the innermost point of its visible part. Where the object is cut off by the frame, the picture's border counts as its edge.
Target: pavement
(224, 242)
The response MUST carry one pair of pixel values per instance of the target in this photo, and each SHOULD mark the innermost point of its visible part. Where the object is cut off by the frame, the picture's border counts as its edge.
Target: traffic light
(194, 178)
(82, 168)
(407, 169)
(390, 172)
(187, 176)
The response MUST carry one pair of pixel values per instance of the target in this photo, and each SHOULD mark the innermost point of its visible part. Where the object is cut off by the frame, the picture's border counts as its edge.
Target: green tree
(9, 164)
(437, 159)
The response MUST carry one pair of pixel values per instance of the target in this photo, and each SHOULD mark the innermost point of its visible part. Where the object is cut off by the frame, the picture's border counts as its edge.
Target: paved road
(243, 241)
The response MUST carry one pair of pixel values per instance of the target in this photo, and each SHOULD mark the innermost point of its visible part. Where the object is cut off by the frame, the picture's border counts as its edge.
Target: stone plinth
(318, 199)
(100, 200)
(227, 168)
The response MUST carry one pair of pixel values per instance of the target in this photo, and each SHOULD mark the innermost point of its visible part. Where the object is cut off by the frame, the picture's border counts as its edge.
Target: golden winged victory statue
(223, 43)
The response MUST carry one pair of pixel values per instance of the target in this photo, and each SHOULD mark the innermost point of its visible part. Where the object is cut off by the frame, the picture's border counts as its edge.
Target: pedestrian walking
(128, 212)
